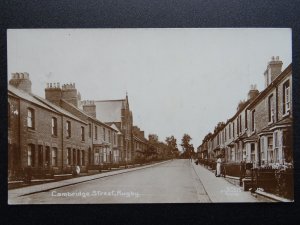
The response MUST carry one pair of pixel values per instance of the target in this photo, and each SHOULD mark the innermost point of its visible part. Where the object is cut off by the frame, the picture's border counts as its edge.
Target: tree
(172, 145)
(188, 149)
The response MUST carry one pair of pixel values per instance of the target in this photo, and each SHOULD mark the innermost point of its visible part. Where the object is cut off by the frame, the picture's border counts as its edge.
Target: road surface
(171, 182)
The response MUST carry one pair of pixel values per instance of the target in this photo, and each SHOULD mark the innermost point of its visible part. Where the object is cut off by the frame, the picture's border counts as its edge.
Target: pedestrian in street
(218, 169)
(242, 171)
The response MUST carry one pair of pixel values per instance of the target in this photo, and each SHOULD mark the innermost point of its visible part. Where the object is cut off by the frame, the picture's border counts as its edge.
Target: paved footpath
(220, 190)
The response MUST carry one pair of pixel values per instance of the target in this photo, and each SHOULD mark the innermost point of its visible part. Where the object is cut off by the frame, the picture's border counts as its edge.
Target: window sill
(270, 122)
(54, 136)
(286, 115)
(31, 130)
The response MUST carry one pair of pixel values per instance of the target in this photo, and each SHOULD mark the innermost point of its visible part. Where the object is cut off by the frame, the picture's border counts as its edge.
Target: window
(276, 146)
(109, 136)
(262, 150)
(229, 131)
(54, 126)
(96, 132)
(30, 118)
(233, 129)
(253, 120)
(252, 152)
(240, 124)
(286, 98)
(115, 138)
(54, 157)
(246, 120)
(104, 136)
(82, 133)
(225, 135)
(90, 130)
(271, 108)
(270, 149)
(68, 128)
(30, 155)
(69, 156)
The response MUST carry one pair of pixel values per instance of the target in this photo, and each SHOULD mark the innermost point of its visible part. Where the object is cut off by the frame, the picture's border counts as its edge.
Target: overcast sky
(178, 80)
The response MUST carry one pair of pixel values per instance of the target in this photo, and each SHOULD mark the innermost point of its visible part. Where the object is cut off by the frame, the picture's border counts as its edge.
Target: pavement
(220, 190)
(173, 181)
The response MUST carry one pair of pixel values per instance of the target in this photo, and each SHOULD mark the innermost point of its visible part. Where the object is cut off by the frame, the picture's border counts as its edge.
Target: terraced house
(260, 132)
(53, 132)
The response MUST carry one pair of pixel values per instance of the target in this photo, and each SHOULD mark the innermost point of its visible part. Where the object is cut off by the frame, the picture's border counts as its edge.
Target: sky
(178, 80)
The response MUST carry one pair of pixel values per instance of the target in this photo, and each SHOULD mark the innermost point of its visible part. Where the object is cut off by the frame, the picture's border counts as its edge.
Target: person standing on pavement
(218, 169)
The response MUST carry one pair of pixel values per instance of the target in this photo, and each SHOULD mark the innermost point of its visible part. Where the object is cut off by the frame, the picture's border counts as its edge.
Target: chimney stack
(253, 92)
(21, 81)
(89, 107)
(273, 70)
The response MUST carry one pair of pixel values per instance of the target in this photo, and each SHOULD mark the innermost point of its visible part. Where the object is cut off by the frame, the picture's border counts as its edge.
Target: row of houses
(60, 130)
(260, 132)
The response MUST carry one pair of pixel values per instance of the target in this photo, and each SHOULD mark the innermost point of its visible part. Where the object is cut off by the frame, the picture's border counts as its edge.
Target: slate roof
(58, 109)
(26, 96)
(109, 111)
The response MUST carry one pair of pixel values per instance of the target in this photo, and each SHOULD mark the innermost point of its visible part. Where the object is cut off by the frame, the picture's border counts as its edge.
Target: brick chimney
(253, 92)
(69, 94)
(53, 93)
(21, 81)
(273, 70)
(89, 107)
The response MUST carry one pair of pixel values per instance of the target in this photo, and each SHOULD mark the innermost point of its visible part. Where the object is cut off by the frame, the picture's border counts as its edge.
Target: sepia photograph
(150, 115)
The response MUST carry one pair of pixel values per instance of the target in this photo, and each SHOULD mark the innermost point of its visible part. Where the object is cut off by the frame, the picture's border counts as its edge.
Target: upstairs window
(96, 132)
(286, 97)
(82, 133)
(271, 108)
(90, 130)
(253, 120)
(246, 120)
(54, 126)
(240, 124)
(68, 129)
(30, 118)
(104, 136)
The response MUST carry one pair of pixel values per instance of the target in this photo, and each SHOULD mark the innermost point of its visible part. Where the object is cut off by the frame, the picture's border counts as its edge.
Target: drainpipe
(62, 143)
(276, 103)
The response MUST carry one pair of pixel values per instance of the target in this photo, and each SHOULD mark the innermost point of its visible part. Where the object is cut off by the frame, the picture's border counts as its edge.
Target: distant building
(118, 113)
(140, 143)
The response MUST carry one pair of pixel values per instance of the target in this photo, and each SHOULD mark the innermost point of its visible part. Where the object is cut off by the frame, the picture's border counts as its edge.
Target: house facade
(260, 132)
(52, 132)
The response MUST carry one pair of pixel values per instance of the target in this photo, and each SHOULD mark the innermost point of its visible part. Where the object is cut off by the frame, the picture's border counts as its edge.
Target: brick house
(272, 118)
(140, 143)
(261, 130)
(54, 133)
(98, 136)
(37, 130)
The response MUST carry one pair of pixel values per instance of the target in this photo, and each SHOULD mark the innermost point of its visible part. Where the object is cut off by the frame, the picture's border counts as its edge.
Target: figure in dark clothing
(242, 170)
